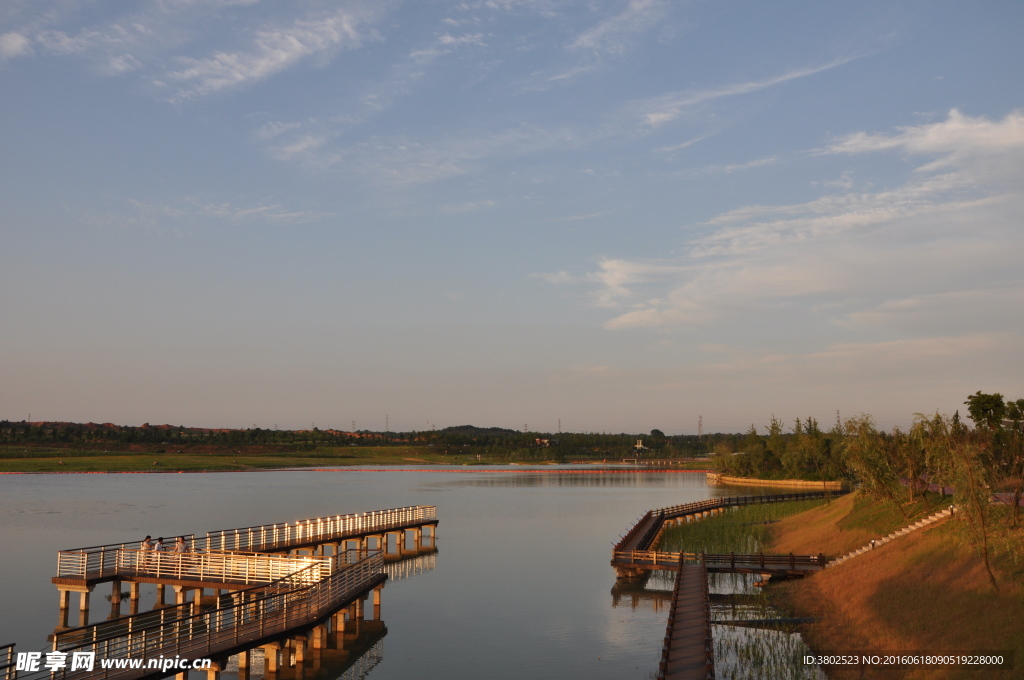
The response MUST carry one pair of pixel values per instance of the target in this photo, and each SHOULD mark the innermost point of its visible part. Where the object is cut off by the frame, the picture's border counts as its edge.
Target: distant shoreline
(475, 468)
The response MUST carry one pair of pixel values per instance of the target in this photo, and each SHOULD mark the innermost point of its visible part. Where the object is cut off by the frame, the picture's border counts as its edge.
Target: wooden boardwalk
(732, 563)
(688, 652)
(85, 567)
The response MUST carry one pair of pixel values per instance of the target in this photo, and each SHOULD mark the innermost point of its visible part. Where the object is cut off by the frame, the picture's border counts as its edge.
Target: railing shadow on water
(752, 639)
(358, 656)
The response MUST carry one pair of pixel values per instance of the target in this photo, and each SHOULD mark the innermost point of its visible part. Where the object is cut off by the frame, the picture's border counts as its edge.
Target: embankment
(927, 591)
(718, 478)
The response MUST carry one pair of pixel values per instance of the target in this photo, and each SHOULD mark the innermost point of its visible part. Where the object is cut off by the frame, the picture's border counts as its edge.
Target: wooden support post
(179, 594)
(270, 658)
(320, 637)
(115, 592)
(299, 645)
(64, 599)
(160, 596)
(83, 607)
(376, 602)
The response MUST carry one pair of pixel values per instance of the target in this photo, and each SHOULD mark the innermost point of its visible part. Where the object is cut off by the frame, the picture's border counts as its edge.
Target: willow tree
(868, 454)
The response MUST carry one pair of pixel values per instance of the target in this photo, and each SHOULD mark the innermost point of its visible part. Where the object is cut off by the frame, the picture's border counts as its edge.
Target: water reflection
(350, 657)
(580, 478)
(753, 651)
(474, 618)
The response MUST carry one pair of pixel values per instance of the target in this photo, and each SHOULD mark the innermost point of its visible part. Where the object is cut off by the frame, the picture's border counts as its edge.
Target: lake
(521, 588)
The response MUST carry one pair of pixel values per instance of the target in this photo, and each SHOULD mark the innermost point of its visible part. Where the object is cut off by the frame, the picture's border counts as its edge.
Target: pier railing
(241, 568)
(320, 529)
(97, 560)
(235, 568)
(7, 667)
(731, 560)
(246, 616)
(649, 526)
(101, 561)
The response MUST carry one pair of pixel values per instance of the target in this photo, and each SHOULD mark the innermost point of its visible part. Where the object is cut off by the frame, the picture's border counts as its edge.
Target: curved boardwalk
(688, 653)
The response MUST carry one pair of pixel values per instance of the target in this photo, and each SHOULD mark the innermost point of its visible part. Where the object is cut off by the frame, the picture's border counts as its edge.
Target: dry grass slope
(923, 592)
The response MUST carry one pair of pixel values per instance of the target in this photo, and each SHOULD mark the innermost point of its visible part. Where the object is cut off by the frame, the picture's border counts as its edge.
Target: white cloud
(191, 211)
(736, 167)
(273, 50)
(666, 108)
(988, 149)
(14, 45)
(614, 34)
(939, 250)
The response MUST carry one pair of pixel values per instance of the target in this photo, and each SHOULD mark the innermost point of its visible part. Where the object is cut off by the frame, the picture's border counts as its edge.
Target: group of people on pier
(149, 545)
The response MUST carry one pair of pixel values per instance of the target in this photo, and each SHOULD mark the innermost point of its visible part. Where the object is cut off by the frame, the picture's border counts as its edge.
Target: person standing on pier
(144, 550)
(180, 546)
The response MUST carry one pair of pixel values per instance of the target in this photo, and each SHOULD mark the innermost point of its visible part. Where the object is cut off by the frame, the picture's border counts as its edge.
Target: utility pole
(838, 424)
(353, 426)
(387, 427)
(559, 426)
(700, 428)
(526, 427)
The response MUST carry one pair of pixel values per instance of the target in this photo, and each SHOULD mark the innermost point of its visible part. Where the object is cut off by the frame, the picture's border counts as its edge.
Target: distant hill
(474, 430)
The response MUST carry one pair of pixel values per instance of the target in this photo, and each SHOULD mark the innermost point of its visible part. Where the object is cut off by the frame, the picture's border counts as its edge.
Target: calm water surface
(521, 589)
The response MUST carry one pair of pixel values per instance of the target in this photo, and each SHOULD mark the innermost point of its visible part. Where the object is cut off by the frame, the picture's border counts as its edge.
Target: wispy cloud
(666, 108)
(614, 34)
(14, 45)
(273, 50)
(191, 211)
(847, 259)
(249, 44)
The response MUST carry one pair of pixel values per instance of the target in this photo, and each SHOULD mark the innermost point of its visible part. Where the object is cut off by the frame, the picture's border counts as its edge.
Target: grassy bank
(16, 459)
(744, 529)
(138, 458)
(927, 591)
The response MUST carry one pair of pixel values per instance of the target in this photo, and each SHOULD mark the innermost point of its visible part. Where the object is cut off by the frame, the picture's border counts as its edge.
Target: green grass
(741, 530)
(883, 517)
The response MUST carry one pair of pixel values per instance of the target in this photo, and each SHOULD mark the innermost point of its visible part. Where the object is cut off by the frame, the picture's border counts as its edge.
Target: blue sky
(624, 215)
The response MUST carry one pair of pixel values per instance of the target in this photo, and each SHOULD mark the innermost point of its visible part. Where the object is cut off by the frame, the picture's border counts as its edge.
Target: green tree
(987, 410)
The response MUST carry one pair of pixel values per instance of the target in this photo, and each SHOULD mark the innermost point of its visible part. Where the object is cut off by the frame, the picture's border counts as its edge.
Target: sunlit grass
(743, 529)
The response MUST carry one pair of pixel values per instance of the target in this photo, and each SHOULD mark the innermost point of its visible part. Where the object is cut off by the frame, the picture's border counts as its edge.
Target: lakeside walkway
(688, 652)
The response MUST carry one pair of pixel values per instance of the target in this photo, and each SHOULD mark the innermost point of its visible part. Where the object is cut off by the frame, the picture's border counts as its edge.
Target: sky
(595, 216)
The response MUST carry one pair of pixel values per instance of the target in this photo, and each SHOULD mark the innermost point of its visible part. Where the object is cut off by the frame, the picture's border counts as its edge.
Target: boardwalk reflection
(348, 646)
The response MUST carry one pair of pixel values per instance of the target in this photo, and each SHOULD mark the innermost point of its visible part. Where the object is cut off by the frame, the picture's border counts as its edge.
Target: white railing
(311, 531)
(7, 667)
(239, 568)
(97, 560)
(242, 617)
(101, 561)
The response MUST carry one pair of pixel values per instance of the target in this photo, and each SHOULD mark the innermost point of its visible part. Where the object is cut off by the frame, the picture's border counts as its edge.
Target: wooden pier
(688, 652)
(233, 559)
(287, 588)
(646, 532)
(768, 565)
